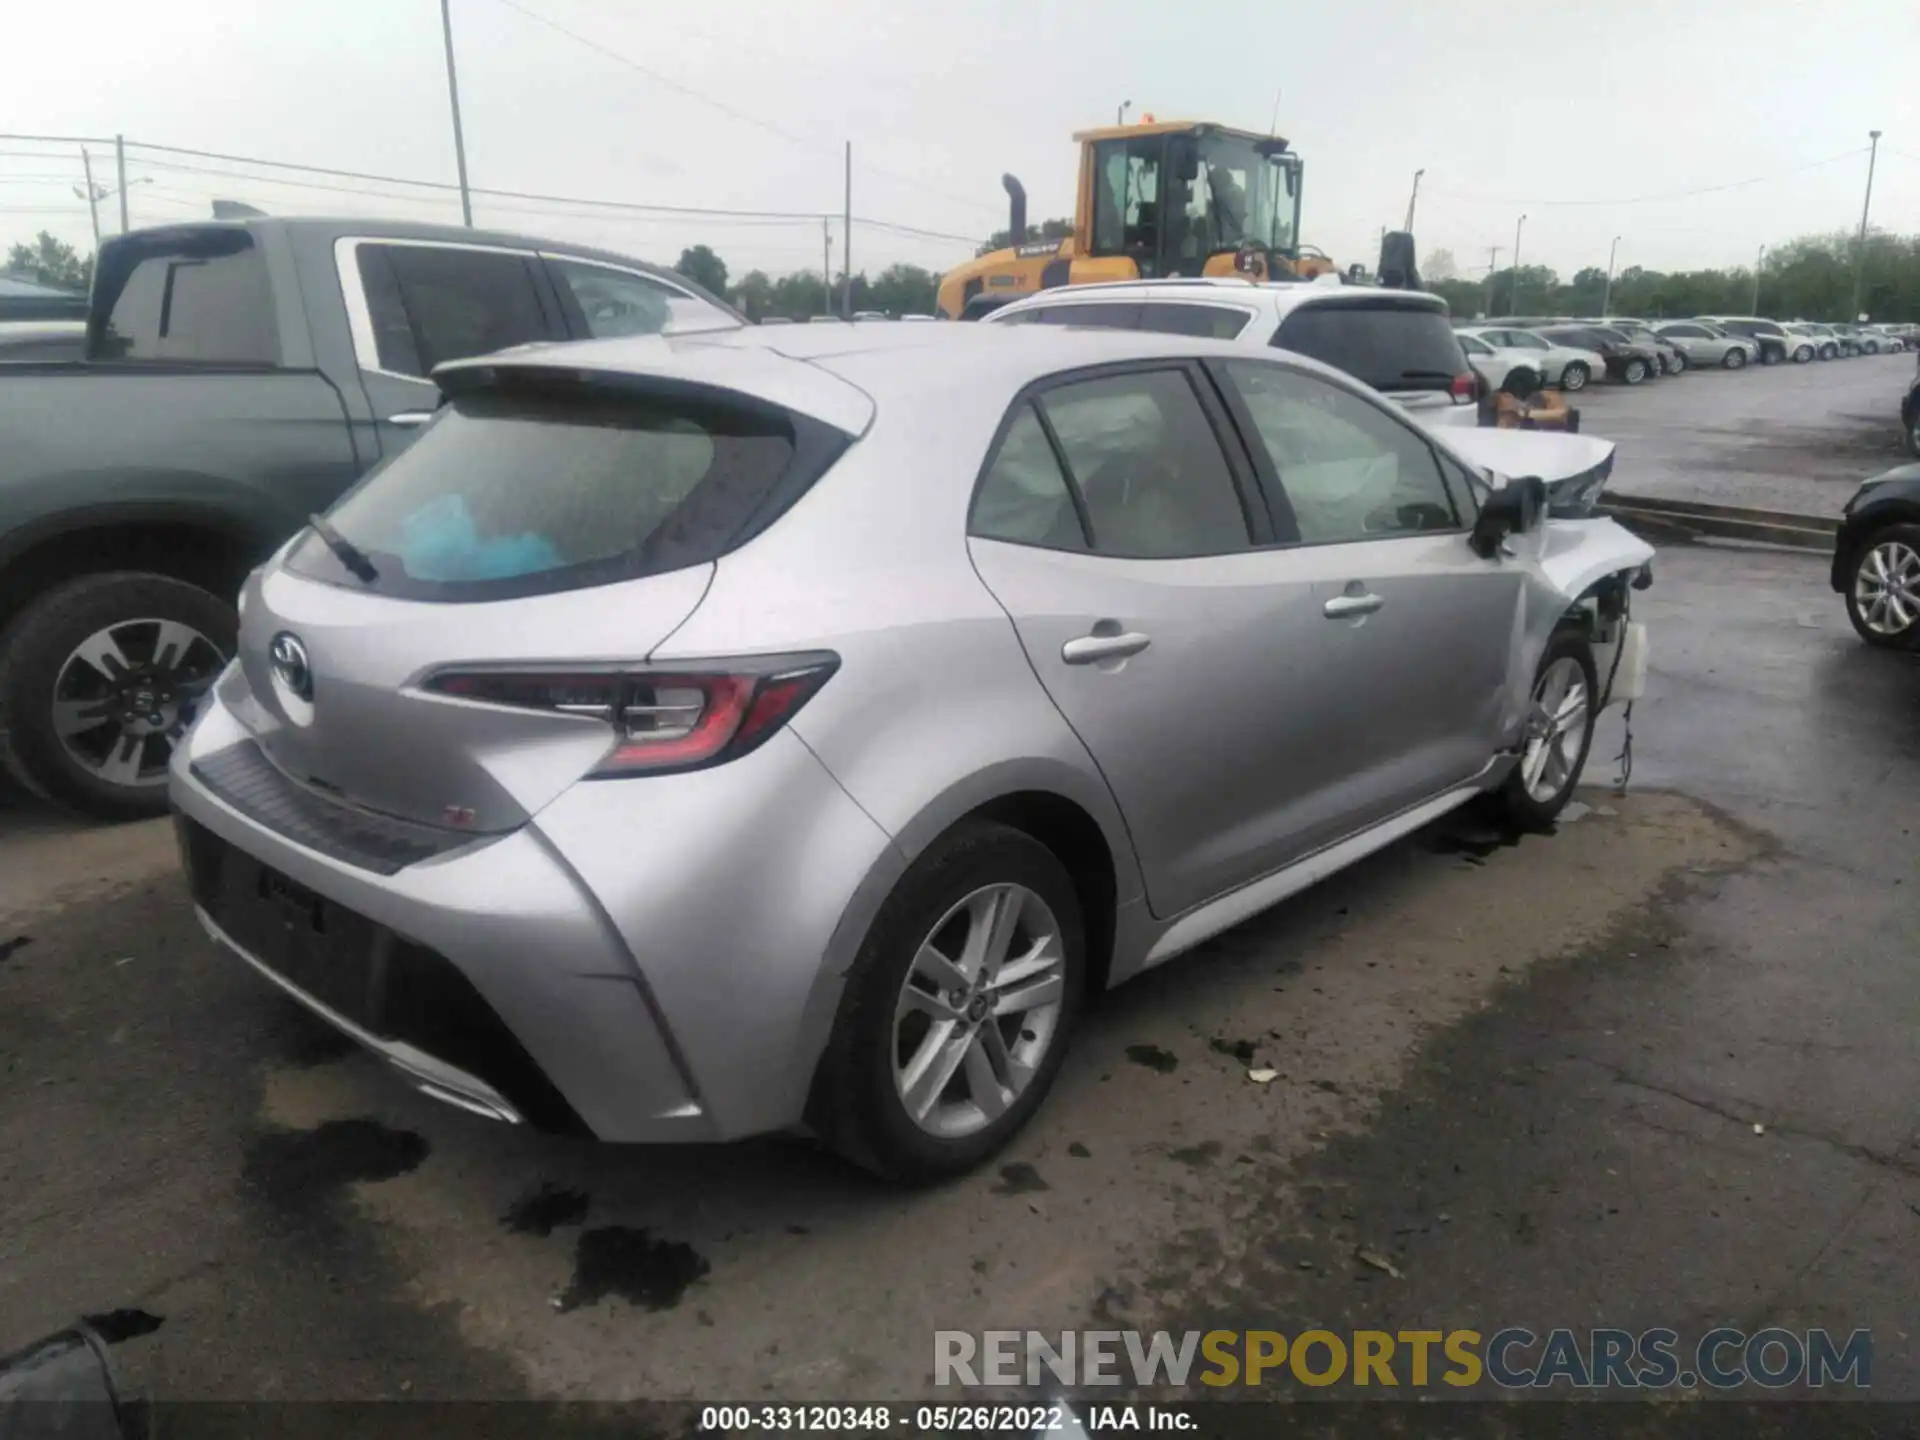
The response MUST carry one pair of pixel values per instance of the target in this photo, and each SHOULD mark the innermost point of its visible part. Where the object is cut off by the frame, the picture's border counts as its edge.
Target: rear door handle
(1344, 607)
(1090, 648)
(408, 419)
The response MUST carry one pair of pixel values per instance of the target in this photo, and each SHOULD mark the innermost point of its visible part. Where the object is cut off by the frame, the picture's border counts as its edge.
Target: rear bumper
(650, 960)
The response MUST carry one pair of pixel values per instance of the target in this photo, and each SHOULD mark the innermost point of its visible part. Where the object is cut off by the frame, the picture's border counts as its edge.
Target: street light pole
(1756, 278)
(453, 96)
(1513, 290)
(1413, 198)
(1606, 296)
(1120, 115)
(1860, 259)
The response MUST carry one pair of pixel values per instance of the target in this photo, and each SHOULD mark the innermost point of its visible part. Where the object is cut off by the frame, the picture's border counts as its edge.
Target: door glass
(1474, 346)
(1523, 340)
(206, 304)
(1350, 471)
(432, 304)
(1126, 194)
(1024, 497)
(603, 301)
(1149, 466)
(1215, 322)
(1098, 317)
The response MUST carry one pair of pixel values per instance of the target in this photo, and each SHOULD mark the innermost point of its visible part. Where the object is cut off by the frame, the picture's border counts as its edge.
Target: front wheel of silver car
(958, 1010)
(1735, 359)
(1678, 363)
(1559, 732)
(1634, 371)
(1575, 376)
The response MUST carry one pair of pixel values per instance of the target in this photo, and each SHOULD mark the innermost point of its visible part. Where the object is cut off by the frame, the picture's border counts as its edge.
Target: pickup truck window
(205, 309)
(434, 303)
(601, 301)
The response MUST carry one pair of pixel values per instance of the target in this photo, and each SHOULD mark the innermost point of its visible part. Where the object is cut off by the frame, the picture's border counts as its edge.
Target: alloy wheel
(1886, 588)
(1561, 706)
(127, 693)
(1574, 377)
(978, 1010)
(1736, 359)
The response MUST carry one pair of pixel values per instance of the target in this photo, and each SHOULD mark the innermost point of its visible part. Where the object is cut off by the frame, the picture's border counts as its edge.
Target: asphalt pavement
(1778, 437)
(1655, 1069)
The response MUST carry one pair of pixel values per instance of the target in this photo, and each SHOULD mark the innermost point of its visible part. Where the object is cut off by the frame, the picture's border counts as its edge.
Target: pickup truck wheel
(1559, 732)
(99, 678)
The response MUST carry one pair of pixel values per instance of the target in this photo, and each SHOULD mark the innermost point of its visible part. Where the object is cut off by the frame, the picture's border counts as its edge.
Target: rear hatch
(1402, 345)
(460, 648)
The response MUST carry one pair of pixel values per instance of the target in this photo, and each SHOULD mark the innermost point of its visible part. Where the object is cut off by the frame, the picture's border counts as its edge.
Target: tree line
(1811, 278)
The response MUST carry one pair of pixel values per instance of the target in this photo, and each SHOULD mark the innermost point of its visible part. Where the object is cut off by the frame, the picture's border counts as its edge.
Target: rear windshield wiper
(349, 554)
(1426, 375)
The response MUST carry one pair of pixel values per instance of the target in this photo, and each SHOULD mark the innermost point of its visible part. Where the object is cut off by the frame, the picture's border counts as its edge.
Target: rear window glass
(526, 490)
(209, 305)
(1387, 346)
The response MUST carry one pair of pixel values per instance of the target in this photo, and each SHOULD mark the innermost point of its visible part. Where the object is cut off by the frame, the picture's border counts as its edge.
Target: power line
(789, 136)
(1669, 195)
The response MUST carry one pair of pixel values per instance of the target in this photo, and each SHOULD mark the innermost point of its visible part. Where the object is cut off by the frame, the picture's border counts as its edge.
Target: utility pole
(1860, 260)
(1513, 290)
(846, 239)
(1756, 278)
(93, 195)
(120, 165)
(453, 95)
(1606, 296)
(1413, 198)
(826, 265)
(1493, 260)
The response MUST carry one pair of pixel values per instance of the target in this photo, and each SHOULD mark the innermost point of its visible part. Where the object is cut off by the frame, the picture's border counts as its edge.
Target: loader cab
(1170, 199)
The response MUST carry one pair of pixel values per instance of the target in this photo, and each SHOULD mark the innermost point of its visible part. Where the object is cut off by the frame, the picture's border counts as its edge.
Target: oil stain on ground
(545, 1210)
(304, 1168)
(1019, 1178)
(115, 1326)
(1153, 1057)
(630, 1263)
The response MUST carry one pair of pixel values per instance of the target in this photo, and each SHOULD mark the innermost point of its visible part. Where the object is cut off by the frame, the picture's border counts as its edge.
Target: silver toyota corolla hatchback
(689, 738)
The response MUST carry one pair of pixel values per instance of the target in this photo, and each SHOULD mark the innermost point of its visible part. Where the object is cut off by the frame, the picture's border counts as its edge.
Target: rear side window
(1024, 496)
(1100, 317)
(200, 306)
(1214, 322)
(602, 301)
(434, 303)
(1388, 346)
(547, 486)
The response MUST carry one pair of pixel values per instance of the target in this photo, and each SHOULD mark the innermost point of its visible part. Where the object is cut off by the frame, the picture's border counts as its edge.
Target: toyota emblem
(290, 665)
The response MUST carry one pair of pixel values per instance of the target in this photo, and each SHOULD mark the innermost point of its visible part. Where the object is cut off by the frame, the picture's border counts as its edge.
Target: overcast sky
(1508, 108)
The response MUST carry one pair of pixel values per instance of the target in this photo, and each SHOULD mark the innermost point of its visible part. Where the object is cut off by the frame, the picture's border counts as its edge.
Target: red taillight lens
(1466, 386)
(663, 720)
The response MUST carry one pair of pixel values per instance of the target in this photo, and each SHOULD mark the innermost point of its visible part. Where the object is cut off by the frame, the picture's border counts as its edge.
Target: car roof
(839, 374)
(1278, 297)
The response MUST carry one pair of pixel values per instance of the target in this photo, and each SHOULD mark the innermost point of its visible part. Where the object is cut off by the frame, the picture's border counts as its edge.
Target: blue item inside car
(439, 541)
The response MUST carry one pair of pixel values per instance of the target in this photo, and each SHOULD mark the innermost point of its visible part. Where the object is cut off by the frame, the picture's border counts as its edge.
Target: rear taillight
(1466, 386)
(663, 720)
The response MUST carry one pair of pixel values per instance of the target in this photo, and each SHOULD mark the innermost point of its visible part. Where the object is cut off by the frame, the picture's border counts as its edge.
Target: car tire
(1830, 352)
(1771, 356)
(1575, 376)
(1550, 765)
(1896, 549)
(1802, 354)
(858, 1103)
(1679, 362)
(1735, 359)
(1634, 371)
(168, 643)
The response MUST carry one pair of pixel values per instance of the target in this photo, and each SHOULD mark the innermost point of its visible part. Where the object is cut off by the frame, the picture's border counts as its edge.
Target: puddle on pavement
(1153, 1057)
(631, 1264)
(545, 1210)
(1019, 1178)
(1241, 1050)
(115, 1326)
(305, 1167)
(1474, 839)
(10, 948)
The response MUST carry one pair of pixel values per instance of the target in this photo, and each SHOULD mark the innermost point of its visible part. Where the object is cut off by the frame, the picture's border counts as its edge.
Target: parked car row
(1632, 351)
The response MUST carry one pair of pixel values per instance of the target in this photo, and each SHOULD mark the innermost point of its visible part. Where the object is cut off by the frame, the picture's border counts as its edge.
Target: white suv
(1398, 341)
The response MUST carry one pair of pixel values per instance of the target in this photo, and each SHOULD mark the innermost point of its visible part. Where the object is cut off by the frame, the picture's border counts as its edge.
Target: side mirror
(1512, 510)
